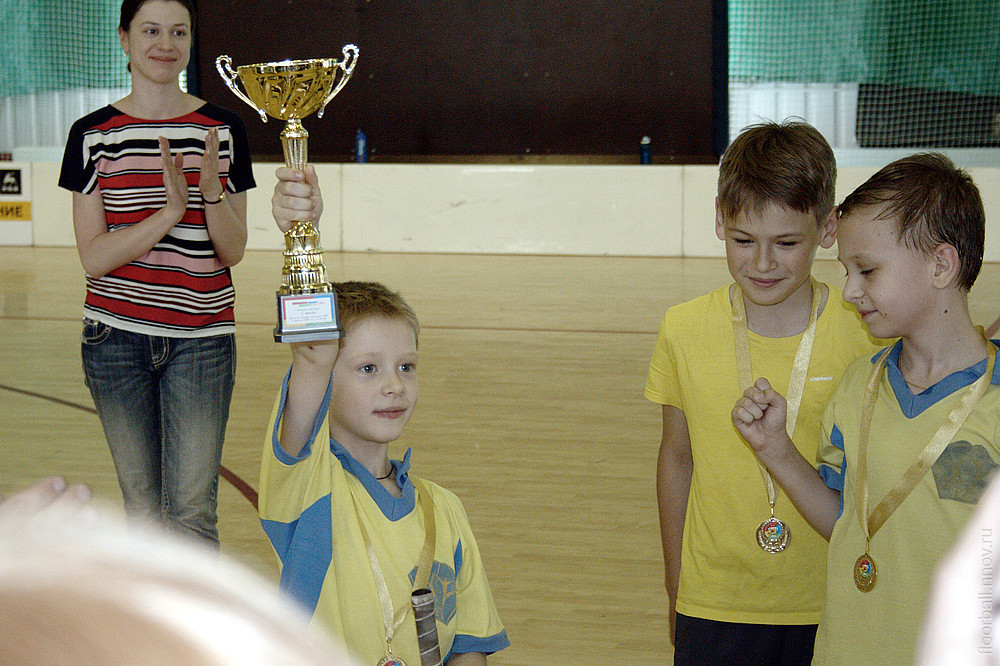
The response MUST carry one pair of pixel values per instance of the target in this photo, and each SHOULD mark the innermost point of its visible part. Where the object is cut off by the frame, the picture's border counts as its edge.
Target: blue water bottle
(360, 147)
(646, 150)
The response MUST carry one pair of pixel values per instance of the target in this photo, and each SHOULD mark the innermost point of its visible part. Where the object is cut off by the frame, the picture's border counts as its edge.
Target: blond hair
(361, 300)
(84, 589)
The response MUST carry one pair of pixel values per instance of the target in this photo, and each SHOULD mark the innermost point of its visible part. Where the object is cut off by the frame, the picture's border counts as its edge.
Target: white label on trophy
(307, 310)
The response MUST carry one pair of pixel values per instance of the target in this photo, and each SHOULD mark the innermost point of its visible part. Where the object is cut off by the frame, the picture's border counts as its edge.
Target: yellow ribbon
(800, 367)
(870, 523)
(393, 620)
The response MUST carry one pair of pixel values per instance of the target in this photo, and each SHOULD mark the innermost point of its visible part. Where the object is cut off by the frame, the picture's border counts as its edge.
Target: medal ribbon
(870, 523)
(800, 367)
(394, 620)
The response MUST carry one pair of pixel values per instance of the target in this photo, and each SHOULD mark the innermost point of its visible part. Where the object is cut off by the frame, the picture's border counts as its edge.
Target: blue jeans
(163, 404)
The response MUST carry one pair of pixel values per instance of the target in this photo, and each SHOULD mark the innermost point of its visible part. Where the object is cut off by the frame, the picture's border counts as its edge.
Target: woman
(157, 233)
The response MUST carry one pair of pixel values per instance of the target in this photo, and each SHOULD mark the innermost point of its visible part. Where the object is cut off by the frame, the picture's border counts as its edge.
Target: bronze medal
(865, 573)
(773, 535)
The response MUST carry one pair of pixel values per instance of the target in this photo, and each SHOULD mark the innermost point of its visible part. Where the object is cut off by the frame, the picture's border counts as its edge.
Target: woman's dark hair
(131, 7)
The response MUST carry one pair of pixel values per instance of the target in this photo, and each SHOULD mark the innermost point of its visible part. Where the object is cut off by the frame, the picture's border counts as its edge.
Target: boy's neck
(785, 319)
(374, 458)
(948, 343)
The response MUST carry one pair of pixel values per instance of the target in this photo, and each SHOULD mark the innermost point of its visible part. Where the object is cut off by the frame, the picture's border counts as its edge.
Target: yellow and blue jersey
(312, 506)
(883, 625)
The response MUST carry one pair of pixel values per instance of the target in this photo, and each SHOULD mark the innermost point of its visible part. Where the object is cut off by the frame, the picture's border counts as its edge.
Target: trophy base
(307, 317)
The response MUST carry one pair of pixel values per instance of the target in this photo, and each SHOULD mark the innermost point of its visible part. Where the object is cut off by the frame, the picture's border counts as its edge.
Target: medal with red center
(773, 535)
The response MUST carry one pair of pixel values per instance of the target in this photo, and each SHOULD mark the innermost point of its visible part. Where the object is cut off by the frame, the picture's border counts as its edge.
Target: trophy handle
(224, 64)
(347, 66)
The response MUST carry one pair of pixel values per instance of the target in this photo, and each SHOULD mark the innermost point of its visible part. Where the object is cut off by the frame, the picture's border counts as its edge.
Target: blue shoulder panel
(488, 645)
(305, 548)
(831, 477)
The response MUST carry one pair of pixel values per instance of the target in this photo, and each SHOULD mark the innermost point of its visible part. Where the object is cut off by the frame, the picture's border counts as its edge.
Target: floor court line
(242, 486)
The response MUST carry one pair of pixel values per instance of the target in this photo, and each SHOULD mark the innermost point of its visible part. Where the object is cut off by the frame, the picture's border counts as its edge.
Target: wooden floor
(531, 410)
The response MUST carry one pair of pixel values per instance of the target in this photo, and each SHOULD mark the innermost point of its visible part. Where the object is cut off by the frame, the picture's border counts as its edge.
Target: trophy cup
(290, 90)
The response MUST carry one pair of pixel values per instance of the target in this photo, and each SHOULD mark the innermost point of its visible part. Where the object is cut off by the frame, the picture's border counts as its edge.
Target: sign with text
(15, 204)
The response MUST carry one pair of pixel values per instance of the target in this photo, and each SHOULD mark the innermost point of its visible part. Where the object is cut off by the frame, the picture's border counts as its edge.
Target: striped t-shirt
(179, 288)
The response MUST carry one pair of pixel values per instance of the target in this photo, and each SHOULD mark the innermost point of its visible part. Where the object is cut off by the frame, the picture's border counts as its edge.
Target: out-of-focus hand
(50, 496)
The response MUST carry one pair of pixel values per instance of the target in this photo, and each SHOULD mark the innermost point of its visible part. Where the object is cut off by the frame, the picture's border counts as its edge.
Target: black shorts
(701, 642)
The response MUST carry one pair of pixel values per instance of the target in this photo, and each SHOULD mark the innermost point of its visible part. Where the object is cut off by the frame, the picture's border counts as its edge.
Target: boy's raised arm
(759, 416)
(673, 485)
(297, 198)
(312, 363)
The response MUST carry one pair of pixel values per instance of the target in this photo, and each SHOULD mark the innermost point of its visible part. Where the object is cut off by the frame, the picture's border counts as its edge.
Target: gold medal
(865, 573)
(773, 535)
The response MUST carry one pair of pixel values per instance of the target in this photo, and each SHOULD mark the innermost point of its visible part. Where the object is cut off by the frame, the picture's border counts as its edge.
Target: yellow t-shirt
(882, 626)
(725, 576)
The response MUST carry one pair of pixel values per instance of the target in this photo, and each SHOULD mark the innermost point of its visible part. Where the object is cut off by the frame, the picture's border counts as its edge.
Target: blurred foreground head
(76, 587)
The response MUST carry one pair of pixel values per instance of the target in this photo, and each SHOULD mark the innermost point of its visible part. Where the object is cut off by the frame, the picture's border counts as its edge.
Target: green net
(52, 45)
(926, 72)
(790, 40)
(947, 45)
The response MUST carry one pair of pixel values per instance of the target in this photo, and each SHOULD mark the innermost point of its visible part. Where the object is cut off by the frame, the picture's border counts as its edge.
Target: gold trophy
(290, 90)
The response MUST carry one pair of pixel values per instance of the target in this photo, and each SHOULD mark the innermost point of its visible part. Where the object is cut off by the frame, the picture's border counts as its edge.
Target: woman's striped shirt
(179, 288)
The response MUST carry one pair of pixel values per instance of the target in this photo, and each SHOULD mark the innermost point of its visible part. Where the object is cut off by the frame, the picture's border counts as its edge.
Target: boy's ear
(720, 224)
(828, 229)
(947, 265)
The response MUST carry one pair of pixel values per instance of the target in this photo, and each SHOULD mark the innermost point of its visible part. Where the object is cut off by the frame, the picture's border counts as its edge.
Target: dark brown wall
(501, 78)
